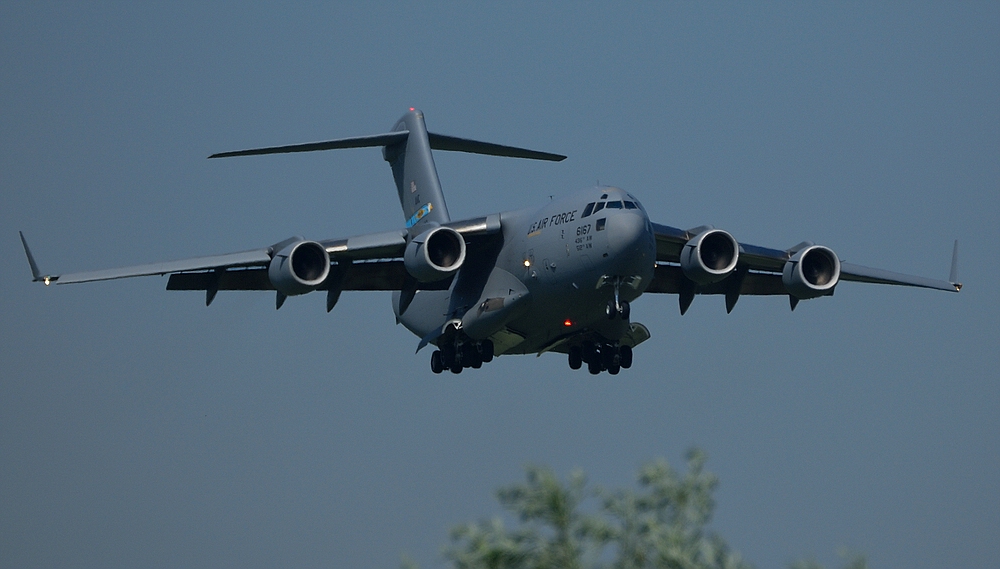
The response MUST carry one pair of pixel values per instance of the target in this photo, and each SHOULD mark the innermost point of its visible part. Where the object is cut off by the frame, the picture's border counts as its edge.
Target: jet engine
(709, 256)
(299, 268)
(434, 254)
(811, 272)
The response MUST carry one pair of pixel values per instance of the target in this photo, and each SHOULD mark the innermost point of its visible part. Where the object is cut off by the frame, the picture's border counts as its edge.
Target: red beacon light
(567, 323)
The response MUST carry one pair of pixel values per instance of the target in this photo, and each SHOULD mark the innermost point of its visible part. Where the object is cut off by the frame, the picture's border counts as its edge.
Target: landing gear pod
(709, 256)
(435, 254)
(299, 268)
(811, 272)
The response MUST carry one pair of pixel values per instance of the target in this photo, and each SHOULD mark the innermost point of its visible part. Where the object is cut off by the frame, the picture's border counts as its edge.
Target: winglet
(36, 275)
(953, 278)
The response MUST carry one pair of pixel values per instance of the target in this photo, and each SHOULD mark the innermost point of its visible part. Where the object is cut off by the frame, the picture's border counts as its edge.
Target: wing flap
(861, 274)
(377, 275)
(384, 245)
(669, 279)
(229, 260)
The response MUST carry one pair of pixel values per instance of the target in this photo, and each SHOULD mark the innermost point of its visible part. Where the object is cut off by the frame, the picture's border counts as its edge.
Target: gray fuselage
(552, 277)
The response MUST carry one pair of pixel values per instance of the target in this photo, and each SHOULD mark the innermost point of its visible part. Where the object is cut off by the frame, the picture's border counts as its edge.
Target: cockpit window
(604, 196)
(588, 210)
(630, 205)
(598, 207)
(635, 201)
(614, 205)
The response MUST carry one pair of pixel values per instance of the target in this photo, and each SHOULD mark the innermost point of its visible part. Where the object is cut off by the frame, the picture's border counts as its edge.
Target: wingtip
(953, 276)
(36, 275)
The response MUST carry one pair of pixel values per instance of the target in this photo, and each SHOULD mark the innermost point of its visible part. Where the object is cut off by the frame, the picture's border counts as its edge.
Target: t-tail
(408, 150)
(416, 175)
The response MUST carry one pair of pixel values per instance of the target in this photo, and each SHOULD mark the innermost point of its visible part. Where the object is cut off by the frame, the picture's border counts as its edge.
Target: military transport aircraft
(556, 278)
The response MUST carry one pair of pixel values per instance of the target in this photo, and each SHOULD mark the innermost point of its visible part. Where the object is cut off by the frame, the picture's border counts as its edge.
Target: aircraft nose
(626, 231)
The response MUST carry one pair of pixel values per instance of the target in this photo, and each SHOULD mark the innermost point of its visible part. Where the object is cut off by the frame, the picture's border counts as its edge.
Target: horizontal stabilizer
(455, 144)
(354, 142)
(437, 142)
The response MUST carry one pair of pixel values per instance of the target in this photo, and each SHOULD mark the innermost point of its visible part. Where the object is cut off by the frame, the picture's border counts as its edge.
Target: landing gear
(575, 357)
(460, 355)
(616, 306)
(625, 352)
(611, 358)
(436, 365)
(486, 350)
(614, 309)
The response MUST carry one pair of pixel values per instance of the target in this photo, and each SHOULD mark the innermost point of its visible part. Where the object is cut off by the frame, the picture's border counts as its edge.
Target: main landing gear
(601, 357)
(460, 355)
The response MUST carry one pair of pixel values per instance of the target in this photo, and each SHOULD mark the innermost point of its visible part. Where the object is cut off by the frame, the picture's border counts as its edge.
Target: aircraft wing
(759, 270)
(364, 262)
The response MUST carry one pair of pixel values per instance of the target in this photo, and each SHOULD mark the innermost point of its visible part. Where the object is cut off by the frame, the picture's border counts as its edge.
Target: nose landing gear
(616, 308)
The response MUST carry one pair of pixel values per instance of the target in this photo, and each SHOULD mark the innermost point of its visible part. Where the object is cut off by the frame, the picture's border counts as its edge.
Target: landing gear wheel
(456, 362)
(447, 356)
(625, 354)
(594, 367)
(609, 356)
(611, 310)
(575, 357)
(613, 369)
(436, 365)
(625, 310)
(486, 351)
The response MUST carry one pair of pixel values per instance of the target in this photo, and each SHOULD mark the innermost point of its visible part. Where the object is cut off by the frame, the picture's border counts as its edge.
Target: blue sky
(140, 428)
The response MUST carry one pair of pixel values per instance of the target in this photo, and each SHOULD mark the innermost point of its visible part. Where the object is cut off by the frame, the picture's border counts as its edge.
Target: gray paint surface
(141, 428)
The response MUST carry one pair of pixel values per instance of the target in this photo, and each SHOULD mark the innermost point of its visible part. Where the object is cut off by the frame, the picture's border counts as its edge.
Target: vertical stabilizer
(416, 176)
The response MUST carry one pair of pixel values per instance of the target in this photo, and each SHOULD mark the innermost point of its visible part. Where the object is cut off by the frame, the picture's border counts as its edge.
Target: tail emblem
(419, 214)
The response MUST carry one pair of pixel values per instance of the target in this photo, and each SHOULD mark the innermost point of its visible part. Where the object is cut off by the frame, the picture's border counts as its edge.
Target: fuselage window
(614, 205)
(600, 223)
(598, 207)
(588, 210)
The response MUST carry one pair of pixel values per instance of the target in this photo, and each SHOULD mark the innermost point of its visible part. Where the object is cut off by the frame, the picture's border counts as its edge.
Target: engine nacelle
(811, 272)
(299, 268)
(434, 255)
(710, 256)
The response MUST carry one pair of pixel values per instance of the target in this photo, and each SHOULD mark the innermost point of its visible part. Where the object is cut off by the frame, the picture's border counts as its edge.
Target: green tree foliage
(662, 524)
